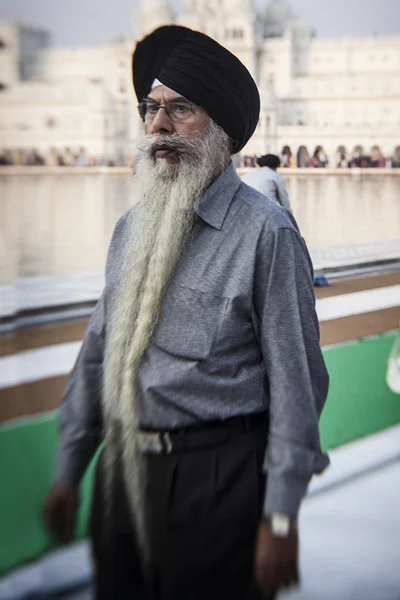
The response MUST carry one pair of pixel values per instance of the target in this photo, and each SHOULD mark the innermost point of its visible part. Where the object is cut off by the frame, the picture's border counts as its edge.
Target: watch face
(280, 525)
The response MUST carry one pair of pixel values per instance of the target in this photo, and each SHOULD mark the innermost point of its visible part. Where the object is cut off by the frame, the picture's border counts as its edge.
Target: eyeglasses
(178, 111)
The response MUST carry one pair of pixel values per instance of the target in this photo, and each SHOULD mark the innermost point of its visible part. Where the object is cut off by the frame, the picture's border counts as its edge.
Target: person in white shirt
(268, 181)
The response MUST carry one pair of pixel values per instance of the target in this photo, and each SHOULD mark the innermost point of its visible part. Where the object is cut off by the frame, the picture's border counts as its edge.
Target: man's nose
(162, 123)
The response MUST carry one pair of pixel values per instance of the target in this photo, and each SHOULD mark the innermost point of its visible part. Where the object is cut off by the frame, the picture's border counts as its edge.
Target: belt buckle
(155, 442)
(150, 442)
(167, 442)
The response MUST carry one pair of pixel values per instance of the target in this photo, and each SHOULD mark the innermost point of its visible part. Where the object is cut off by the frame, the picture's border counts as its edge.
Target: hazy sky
(91, 22)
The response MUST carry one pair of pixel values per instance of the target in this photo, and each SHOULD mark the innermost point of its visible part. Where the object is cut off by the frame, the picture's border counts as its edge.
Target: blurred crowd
(69, 157)
(319, 160)
(374, 160)
(59, 158)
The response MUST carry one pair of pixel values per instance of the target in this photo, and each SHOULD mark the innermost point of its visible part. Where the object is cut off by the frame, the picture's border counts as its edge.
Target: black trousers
(204, 509)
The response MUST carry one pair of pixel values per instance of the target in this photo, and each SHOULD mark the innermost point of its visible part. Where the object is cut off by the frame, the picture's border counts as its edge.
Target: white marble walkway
(50, 292)
(332, 257)
(350, 536)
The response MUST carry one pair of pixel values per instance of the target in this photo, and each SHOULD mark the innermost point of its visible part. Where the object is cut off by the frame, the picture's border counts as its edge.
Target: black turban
(197, 67)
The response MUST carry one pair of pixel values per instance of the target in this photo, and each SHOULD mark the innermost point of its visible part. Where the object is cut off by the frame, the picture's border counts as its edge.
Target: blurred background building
(330, 101)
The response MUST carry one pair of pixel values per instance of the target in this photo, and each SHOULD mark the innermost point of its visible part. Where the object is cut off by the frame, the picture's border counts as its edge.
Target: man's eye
(152, 109)
(181, 108)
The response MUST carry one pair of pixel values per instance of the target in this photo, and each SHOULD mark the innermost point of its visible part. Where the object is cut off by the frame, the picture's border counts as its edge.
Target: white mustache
(150, 144)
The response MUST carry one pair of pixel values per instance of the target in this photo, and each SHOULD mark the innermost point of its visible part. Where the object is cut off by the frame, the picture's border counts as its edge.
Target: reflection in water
(59, 224)
(346, 209)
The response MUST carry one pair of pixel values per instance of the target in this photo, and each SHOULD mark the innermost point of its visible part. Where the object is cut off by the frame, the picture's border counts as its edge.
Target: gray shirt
(270, 183)
(237, 334)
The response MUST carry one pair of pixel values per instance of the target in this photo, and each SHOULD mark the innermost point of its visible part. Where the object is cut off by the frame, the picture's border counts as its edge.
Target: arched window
(302, 157)
(341, 157)
(286, 156)
(319, 158)
(376, 156)
(358, 150)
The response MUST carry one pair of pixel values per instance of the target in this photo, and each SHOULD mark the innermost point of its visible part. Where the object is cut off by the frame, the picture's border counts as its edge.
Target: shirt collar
(218, 197)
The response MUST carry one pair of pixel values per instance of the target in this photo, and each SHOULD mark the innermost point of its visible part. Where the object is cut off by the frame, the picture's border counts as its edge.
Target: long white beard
(166, 200)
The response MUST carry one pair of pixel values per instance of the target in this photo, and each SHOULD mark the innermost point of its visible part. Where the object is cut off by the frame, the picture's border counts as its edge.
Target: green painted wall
(359, 402)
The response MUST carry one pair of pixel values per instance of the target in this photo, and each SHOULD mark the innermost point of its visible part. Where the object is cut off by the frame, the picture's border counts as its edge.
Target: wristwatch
(281, 525)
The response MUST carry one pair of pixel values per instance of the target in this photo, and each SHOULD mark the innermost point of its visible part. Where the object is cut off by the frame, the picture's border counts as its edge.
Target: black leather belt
(197, 436)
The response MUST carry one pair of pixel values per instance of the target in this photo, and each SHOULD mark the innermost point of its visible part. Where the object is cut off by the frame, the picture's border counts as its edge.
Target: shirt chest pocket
(190, 322)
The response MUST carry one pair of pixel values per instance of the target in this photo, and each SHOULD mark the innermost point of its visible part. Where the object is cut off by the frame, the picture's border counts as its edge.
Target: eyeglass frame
(149, 101)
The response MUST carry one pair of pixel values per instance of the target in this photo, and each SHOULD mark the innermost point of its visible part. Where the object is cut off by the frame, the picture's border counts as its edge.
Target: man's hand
(61, 509)
(276, 560)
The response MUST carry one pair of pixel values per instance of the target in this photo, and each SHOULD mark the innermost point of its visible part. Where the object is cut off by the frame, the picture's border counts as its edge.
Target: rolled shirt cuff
(284, 495)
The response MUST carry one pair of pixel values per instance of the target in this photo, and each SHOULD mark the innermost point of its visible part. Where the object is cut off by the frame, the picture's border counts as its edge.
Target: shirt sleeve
(297, 378)
(80, 411)
(283, 197)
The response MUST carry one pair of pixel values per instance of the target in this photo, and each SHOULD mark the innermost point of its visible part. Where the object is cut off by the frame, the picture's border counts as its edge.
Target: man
(268, 181)
(201, 367)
